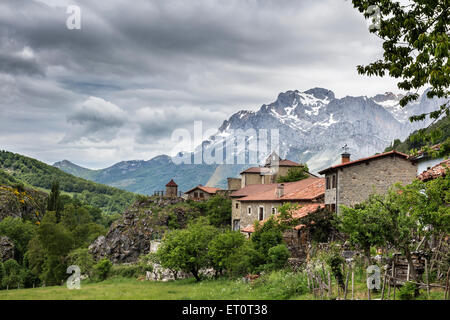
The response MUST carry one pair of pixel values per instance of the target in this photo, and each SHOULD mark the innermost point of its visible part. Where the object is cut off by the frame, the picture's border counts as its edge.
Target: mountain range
(313, 127)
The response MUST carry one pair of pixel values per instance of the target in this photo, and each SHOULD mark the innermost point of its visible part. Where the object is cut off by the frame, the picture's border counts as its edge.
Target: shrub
(187, 249)
(278, 256)
(408, 291)
(244, 260)
(222, 247)
(282, 284)
(82, 258)
(127, 271)
(102, 269)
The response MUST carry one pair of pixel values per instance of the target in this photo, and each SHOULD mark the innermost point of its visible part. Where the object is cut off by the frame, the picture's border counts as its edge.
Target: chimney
(345, 157)
(280, 190)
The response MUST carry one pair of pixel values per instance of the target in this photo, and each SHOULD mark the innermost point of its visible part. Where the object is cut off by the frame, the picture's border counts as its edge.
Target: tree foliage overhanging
(416, 48)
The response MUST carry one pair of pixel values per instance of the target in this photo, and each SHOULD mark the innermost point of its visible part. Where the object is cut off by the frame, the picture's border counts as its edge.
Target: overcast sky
(116, 89)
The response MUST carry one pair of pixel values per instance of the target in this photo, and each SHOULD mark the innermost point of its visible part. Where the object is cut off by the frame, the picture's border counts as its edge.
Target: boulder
(6, 249)
(131, 235)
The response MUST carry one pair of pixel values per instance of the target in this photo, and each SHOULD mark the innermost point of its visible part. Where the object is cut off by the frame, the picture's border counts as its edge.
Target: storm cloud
(116, 89)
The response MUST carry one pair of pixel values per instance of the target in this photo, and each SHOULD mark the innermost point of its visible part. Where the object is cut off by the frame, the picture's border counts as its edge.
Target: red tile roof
(282, 163)
(437, 171)
(306, 189)
(171, 184)
(289, 163)
(376, 156)
(251, 189)
(209, 190)
(255, 170)
(301, 212)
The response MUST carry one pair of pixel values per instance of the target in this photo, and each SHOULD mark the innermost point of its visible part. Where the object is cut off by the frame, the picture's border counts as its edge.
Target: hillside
(15, 168)
(74, 169)
(144, 176)
(409, 144)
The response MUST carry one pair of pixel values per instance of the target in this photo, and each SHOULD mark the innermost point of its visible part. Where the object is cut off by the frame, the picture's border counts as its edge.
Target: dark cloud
(138, 70)
(18, 65)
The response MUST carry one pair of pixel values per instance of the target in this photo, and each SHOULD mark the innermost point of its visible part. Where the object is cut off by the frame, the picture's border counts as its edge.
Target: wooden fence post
(353, 284)
(393, 276)
(384, 284)
(346, 285)
(389, 289)
(428, 279)
(330, 284)
(446, 286)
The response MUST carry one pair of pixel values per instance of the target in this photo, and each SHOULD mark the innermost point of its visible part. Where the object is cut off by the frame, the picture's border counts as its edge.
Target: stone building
(296, 238)
(351, 182)
(258, 202)
(200, 193)
(273, 168)
(171, 189)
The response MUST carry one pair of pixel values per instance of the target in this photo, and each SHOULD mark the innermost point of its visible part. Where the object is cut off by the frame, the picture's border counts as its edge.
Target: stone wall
(251, 178)
(6, 249)
(234, 184)
(249, 219)
(201, 195)
(358, 181)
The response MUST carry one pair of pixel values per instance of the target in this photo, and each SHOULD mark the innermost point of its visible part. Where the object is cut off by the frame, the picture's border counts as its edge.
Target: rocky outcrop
(27, 204)
(6, 249)
(130, 236)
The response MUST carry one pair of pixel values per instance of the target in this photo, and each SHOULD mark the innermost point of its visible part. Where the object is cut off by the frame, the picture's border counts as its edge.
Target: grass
(188, 289)
(132, 289)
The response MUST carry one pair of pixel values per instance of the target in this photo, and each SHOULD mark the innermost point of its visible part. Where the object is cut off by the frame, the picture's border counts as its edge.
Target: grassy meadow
(188, 289)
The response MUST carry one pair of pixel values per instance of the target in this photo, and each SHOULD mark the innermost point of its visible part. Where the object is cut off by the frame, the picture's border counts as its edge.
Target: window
(333, 207)
(237, 205)
(261, 214)
(195, 194)
(236, 225)
(328, 183)
(274, 210)
(202, 195)
(249, 210)
(333, 183)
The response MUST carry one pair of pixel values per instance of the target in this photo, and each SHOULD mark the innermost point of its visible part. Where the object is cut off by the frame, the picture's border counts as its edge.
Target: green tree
(2, 274)
(278, 257)
(222, 247)
(295, 174)
(35, 257)
(56, 242)
(11, 274)
(82, 258)
(218, 211)
(54, 200)
(102, 269)
(362, 225)
(404, 214)
(187, 249)
(20, 232)
(266, 236)
(244, 260)
(416, 48)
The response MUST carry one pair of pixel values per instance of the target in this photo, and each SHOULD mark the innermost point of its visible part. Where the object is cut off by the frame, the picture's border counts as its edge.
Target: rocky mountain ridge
(313, 125)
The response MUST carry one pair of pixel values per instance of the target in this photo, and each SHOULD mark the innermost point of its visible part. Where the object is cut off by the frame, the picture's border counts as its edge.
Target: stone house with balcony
(352, 182)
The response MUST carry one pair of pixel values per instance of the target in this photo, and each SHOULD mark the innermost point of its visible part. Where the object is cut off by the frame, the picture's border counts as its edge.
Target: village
(256, 195)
